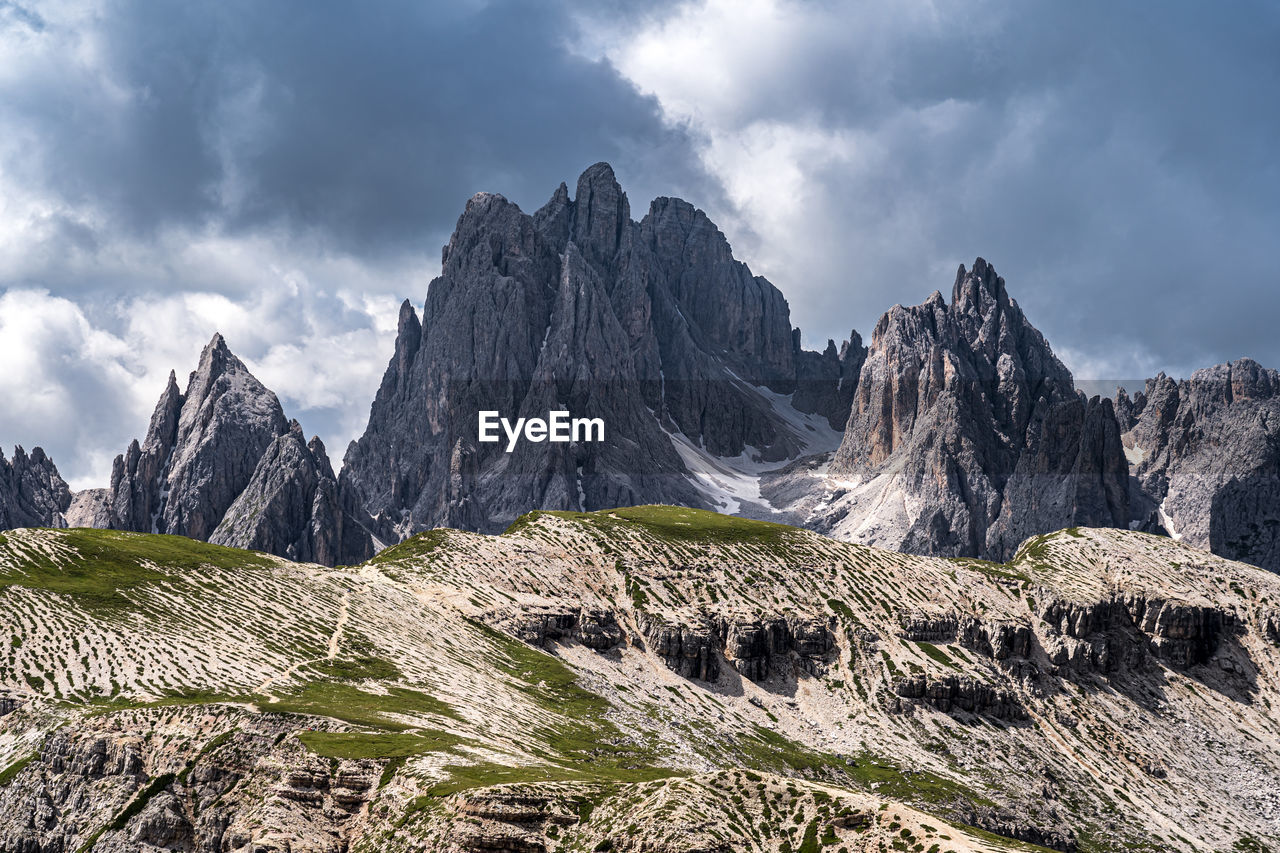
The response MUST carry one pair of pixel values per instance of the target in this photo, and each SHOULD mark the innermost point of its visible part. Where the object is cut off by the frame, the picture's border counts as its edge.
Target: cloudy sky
(286, 173)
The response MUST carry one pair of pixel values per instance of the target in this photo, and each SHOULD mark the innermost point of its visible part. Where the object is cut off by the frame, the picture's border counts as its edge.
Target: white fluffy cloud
(84, 378)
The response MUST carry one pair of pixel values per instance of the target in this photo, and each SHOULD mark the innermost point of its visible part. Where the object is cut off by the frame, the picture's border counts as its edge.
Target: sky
(287, 172)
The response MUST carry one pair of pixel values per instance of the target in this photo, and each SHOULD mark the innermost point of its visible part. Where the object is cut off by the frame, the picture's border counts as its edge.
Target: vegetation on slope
(96, 566)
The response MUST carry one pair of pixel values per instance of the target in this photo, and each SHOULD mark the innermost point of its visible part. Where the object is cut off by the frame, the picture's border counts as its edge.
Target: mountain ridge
(467, 692)
(955, 430)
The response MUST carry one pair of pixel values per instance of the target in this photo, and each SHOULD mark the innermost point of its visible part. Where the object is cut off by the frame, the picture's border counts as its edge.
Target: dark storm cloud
(367, 124)
(286, 171)
(1116, 161)
(283, 172)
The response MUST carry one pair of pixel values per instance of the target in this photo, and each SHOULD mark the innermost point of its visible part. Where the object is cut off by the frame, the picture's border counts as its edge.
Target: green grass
(768, 750)
(580, 743)
(110, 562)
(937, 654)
(214, 743)
(676, 524)
(8, 774)
(134, 807)
(485, 774)
(415, 547)
(139, 802)
(358, 668)
(843, 610)
(995, 571)
(350, 704)
(765, 749)
(379, 745)
(108, 705)
(809, 844)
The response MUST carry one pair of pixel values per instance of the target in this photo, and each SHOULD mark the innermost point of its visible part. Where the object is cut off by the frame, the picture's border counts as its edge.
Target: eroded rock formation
(32, 493)
(221, 463)
(966, 434)
(652, 326)
(1207, 459)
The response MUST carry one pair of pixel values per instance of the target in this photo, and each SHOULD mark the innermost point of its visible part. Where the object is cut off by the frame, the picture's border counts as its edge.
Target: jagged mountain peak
(966, 434)
(204, 449)
(408, 317)
(1242, 379)
(601, 214)
(216, 357)
(32, 492)
(972, 285)
(1205, 459)
(652, 326)
(317, 448)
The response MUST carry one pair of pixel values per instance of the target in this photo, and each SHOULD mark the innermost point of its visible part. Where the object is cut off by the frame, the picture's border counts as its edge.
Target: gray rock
(690, 650)
(32, 493)
(200, 451)
(221, 463)
(950, 693)
(90, 508)
(290, 507)
(1000, 640)
(1208, 452)
(963, 413)
(651, 326)
(1122, 631)
(826, 381)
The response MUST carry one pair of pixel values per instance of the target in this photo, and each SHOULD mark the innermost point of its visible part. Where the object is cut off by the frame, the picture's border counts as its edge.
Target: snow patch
(728, 482)
(1168, 522)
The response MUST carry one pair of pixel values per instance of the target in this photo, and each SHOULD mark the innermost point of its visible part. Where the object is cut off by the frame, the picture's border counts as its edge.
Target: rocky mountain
(965, 436)
(962, 432)
(651, 679)
(32, 493)
(221, 463)
(1205, 456)
(652, 326)
(957, 432)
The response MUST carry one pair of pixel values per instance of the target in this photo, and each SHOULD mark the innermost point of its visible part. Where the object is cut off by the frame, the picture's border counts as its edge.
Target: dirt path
(335, 641)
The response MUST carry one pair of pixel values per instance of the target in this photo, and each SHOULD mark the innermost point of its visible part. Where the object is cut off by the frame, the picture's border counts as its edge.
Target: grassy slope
(96, 566)
(574, 740)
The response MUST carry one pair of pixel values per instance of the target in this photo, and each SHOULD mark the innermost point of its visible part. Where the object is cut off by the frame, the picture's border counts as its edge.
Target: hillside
(651, 679)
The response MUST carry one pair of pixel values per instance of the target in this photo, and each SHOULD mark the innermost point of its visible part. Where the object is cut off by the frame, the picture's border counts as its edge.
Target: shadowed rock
(32, 493)
(1208, 460)
(652, 326)
(221, 463)
(966, 435)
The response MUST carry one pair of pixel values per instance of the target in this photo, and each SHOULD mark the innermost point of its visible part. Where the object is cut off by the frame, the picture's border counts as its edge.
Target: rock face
(1122, 631)
(200, 451)
(221, 463)
(966, 435)
(90, 508)
(249, 789)
(651, 326)
(290, 506)
(950, 693)
(758, 648)
(32, 493)
(1206, 455)
(595, 629)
